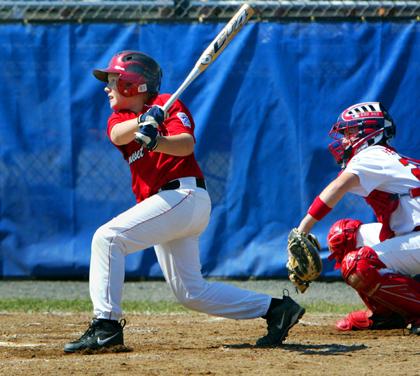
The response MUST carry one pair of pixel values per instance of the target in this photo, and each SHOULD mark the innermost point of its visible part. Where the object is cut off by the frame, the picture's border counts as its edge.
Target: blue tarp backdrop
(262, 110)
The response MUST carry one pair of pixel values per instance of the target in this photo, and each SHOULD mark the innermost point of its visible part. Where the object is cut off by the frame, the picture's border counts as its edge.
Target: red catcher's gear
(383, 205)
(357, 320)
(360, 320)
(360, 126)
(342, 238)
(138, 73)
(383, 292)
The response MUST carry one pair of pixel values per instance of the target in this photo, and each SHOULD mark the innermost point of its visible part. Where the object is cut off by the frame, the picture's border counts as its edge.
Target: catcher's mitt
(304, 264)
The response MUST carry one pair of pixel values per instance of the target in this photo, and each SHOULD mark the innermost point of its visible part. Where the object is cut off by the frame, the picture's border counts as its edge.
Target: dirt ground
(196, 344)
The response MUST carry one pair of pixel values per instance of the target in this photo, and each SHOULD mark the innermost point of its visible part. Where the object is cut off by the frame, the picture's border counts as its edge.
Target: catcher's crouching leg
(393, 299)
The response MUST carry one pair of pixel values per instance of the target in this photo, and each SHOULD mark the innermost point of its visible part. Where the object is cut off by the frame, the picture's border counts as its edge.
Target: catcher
(378, 259)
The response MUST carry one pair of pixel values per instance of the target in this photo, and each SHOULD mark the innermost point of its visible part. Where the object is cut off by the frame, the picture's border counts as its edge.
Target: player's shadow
(323, 349)
(308, 349)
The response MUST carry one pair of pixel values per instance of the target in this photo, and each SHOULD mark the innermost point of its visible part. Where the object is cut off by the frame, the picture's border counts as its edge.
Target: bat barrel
(215, 48)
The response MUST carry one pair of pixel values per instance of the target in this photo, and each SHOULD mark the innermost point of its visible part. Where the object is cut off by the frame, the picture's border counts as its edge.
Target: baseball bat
(214, 49)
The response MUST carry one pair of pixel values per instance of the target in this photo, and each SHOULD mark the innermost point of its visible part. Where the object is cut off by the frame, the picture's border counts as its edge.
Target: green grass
(329, 307)
(44, 305)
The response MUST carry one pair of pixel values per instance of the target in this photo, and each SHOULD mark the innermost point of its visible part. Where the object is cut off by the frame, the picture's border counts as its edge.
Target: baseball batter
(377, 259)
(172, 210)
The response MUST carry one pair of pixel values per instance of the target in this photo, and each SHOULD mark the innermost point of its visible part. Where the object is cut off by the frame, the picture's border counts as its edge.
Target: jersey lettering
(415, 170)
(136, 155)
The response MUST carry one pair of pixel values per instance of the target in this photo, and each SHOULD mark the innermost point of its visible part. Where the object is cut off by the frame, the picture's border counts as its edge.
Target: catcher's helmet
(138, 73)
(360, 126)
(342, 239)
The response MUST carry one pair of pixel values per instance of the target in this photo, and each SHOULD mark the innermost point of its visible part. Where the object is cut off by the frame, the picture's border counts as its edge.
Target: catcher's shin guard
(384, 293)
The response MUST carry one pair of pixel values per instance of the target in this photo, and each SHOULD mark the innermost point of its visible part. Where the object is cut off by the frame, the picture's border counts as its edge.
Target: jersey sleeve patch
(184, 119)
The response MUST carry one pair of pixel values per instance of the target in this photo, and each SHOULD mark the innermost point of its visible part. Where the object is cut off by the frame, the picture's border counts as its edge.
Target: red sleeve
(118, 117)
(179, 118)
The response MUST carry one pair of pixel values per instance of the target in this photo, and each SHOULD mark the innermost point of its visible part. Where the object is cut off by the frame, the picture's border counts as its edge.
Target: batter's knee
(102, 238)
(192, 297)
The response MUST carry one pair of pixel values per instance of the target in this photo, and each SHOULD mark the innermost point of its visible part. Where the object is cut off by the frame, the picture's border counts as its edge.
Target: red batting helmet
(342, 238)
(368, 123)
(138, 73)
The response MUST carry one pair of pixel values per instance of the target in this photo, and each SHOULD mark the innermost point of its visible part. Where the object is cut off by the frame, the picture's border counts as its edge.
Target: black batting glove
(154, 116)
(147, 135)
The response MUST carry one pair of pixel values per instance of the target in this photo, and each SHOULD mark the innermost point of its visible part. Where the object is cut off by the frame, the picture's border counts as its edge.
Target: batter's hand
(147, 135)
(154, 116)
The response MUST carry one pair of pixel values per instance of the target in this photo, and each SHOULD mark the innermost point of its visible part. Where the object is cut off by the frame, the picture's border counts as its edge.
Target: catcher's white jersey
(383, 169)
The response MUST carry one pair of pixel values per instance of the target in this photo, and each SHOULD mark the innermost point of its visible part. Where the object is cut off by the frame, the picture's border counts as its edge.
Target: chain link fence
(202, 10)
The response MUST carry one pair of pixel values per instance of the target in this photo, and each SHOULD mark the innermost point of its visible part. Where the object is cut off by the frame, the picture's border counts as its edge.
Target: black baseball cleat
(280, 320)
(100, 334)
(393, 321)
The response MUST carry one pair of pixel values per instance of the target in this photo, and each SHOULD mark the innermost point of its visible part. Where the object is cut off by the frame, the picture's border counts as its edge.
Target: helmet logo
(142, 88)
(362, 110)
(119, 67)
(350, 116)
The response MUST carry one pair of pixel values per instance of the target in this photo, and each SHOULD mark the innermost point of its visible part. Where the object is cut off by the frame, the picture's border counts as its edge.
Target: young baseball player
(376, 259)
(172, 210)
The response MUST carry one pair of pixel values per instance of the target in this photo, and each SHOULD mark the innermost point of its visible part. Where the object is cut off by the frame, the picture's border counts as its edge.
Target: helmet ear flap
(129, 89)
(125, 88)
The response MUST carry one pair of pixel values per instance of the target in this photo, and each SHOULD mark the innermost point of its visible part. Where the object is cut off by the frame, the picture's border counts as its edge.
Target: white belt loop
(188, 182)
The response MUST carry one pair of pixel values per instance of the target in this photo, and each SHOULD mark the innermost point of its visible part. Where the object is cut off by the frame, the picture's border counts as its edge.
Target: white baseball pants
(400, 254)
(172, 222)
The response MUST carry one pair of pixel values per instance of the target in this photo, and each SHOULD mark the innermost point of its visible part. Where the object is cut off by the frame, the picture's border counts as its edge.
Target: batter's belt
(175, 184)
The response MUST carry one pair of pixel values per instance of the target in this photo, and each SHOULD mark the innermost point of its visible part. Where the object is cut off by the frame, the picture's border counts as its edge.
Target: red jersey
(151, 170)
